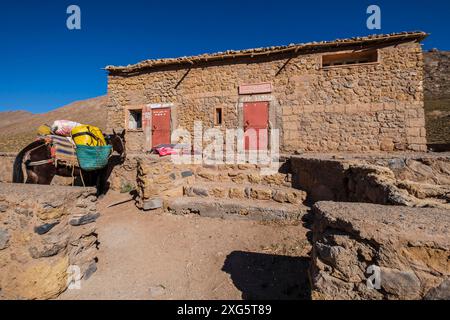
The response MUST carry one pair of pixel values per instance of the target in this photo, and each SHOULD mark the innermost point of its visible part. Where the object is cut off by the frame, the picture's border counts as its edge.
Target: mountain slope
(437, 96)
(18, 128)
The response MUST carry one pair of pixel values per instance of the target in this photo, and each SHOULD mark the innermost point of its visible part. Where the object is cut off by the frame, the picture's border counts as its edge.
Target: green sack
(93, 158)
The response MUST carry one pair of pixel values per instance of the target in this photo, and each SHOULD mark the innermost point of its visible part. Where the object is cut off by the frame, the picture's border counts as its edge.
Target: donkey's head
(117, 140)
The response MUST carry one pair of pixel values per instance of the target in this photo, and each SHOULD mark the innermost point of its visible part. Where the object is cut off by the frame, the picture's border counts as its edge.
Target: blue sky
(44, 65)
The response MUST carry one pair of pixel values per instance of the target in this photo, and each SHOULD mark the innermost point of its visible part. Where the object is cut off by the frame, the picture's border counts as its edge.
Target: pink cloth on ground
(164, 151)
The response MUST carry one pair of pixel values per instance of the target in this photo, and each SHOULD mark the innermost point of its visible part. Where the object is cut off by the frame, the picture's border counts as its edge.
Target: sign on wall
(255, 88)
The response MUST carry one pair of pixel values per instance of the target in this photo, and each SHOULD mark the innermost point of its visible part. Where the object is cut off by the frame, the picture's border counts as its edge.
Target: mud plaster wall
(353, 108)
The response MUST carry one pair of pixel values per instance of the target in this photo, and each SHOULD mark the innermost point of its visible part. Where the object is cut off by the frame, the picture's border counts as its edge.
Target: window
(135, 120)
(349, 58)
(218, 117)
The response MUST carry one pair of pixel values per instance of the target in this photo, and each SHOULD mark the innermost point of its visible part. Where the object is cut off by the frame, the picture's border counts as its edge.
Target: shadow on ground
(266, 276)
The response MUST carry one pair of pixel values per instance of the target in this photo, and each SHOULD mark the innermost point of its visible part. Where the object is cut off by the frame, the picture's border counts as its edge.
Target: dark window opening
(349, 58)
(218, 117)
(135, 120)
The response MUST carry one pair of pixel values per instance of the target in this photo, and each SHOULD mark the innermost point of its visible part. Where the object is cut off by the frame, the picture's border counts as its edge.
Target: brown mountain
(18, 128)
(437, 96)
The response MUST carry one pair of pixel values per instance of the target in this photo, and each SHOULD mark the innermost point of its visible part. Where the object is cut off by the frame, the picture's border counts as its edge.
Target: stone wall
(375, 106)
(408, 249)
(159, 179)
(222, 191)
(44, 232)
(411, 180)
(123, 175)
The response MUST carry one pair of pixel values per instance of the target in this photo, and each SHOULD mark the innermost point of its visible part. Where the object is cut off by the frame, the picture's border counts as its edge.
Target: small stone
(196, 191)
(280, 196)
(441, 292)
(53, 204)
(87, 218)
(157, 291)
(4, 239)
(207, 176)
(202, 192)
(261, 194)
(172, 176)
(186, 174)
(236, 193)
(90, 270)
(219, 192)
(24, 212)
(45, 252)
(254, 178)
(243, 212)
(396, 163)
(3, 207)
(152, 204)
(43, 229)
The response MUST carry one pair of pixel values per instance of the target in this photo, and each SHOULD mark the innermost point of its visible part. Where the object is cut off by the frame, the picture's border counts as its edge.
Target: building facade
(356, 95)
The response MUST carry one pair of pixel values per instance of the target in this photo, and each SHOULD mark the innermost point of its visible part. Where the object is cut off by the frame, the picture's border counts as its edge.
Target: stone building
(360, 94)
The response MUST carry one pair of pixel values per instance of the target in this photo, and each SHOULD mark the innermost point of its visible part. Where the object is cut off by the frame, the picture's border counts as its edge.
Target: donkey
(43, 173)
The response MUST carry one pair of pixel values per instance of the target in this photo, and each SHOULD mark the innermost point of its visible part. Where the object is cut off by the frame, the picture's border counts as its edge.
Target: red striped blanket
(63, 150)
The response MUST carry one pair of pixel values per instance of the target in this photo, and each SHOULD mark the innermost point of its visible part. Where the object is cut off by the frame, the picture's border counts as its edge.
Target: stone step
(229, 190)
(243, 176)
(259, 210)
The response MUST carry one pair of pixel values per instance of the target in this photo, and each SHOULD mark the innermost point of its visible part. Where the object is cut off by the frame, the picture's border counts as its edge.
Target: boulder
(369, 251)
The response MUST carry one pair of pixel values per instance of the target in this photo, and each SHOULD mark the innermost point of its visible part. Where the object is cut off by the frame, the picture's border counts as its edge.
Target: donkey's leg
(46, 173)
(32, 177)
(101, 182)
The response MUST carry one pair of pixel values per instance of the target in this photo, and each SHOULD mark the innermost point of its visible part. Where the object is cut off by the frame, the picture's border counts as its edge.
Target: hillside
(437, 96)
(18, 128)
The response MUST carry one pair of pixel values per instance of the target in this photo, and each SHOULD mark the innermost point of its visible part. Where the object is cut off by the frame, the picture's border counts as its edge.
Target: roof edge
(304, 47)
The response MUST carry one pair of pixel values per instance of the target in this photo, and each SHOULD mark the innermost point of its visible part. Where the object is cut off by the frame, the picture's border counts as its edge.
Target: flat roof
(379, 39)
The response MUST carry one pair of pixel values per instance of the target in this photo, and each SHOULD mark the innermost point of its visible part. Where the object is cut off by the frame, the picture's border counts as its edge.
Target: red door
(256, 123)
(160, 126)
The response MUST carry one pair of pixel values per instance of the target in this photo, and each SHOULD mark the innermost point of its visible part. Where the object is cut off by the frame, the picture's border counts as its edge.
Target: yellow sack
(88, 136)
(44, 130)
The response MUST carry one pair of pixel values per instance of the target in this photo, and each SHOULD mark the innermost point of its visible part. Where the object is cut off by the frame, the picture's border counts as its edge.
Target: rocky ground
(409, 246)
(162, 256)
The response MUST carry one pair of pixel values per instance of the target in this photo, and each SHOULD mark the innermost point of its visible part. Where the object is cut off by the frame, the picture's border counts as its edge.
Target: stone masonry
(47, 234)
(402, 251)
(360, 107)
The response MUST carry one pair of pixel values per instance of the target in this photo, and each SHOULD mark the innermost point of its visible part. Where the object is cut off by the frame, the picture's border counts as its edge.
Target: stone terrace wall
(43, 231)
(416, 180)
(410, 246)
(352, 108)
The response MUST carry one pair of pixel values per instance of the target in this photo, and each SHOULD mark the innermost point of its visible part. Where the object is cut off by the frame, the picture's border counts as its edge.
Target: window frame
(216, 124)
(342, 63)
(128, 111)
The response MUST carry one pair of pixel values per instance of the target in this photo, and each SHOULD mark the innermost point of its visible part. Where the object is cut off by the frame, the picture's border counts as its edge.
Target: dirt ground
(161, 256)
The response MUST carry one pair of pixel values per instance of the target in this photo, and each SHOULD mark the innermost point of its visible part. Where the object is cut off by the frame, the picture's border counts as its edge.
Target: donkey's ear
(123, 133)
(114, 132)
